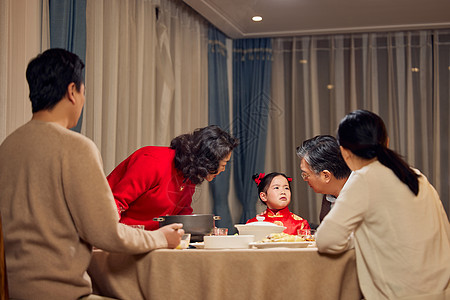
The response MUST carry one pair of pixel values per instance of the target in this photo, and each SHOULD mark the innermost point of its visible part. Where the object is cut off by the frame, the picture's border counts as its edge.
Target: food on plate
(282, 237)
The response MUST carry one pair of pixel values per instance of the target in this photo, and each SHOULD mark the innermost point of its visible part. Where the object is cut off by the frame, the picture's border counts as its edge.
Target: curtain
(146, 78)
(439, 162)
(252, 67)
(67, 20)
(402, 76)
(23, 34)
(219, 114)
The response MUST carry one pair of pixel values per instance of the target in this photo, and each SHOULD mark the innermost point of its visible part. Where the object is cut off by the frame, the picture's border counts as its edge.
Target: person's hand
(173, 234)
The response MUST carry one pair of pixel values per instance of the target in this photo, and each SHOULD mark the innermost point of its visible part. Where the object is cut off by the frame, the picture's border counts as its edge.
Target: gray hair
(322, 153)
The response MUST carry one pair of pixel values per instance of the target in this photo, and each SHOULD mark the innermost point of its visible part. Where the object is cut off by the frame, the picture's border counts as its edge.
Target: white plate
(281, 244)
(228, 241)
(199, 245)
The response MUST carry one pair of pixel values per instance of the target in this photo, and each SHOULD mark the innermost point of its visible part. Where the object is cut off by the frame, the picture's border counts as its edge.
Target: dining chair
(4, 280)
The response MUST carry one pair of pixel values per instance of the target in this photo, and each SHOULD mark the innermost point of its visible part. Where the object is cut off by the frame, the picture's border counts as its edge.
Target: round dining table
(273, 273)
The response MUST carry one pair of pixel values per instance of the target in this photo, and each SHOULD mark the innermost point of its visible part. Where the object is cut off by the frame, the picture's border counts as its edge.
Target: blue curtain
(219, 114)
(252, 67)
(68, 30)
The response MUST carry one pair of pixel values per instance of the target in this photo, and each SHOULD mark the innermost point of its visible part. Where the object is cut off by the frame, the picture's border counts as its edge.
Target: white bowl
(228, 241)
(259, 229)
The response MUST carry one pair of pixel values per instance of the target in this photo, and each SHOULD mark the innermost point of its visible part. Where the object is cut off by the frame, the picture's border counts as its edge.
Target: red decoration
(258, 180)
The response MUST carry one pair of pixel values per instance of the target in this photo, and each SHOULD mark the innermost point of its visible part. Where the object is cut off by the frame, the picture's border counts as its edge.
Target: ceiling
(307, 17)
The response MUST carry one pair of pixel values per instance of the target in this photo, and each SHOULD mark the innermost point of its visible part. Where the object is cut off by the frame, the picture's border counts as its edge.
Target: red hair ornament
(258, 180)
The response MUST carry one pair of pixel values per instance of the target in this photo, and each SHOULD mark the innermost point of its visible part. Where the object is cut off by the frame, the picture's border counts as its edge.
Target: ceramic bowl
(259, 229)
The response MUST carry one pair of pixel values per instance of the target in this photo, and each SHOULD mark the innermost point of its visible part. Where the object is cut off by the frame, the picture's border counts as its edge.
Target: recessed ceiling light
(257, 19)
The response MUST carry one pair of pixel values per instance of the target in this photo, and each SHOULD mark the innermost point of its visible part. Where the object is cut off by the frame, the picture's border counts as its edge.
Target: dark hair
(49, 74)
(265, 182)
(322, 153)
(199, 153)
(364, 134)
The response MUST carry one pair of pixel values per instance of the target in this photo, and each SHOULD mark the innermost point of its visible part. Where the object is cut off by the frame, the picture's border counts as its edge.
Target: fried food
(282, 237)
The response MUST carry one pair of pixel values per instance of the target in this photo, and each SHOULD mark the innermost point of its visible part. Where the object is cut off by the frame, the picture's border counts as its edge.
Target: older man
(323, 168)
(54, 198)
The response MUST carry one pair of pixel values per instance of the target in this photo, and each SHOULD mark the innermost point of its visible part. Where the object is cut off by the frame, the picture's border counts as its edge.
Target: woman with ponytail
(391, 214)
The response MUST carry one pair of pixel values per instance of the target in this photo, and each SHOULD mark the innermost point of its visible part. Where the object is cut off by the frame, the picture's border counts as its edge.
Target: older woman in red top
(160, 181)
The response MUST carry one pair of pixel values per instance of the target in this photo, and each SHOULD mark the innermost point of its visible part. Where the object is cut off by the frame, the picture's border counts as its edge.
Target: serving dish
(198, 245)
(260, 245)
(259, 229)
(228, 241)
(197, 225)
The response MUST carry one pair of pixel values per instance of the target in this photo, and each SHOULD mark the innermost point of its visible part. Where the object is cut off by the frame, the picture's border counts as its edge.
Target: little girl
(275, 191)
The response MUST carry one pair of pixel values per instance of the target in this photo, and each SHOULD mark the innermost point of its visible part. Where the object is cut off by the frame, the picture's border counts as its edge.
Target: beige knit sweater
(402, 241)
(56, 204)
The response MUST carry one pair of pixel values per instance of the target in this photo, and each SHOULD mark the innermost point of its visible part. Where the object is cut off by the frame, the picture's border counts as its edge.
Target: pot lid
(260, 223)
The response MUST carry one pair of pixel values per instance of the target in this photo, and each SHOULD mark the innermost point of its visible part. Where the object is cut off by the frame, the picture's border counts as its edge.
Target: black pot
(198, 225)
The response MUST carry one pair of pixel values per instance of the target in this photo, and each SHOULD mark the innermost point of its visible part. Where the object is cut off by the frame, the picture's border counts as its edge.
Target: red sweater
(284, 217)
(147, 185)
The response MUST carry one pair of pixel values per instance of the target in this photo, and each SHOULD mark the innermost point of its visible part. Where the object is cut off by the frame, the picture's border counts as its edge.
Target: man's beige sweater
(56, 204)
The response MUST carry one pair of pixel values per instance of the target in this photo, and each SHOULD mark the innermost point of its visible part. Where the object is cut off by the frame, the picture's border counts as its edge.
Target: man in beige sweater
(54, 198)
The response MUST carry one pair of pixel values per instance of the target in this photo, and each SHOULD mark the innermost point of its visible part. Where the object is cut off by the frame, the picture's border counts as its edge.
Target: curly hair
(199, 153)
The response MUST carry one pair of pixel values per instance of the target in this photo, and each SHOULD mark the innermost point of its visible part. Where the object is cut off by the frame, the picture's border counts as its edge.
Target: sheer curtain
(146, 77)
(402, 76)
(23, 34)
